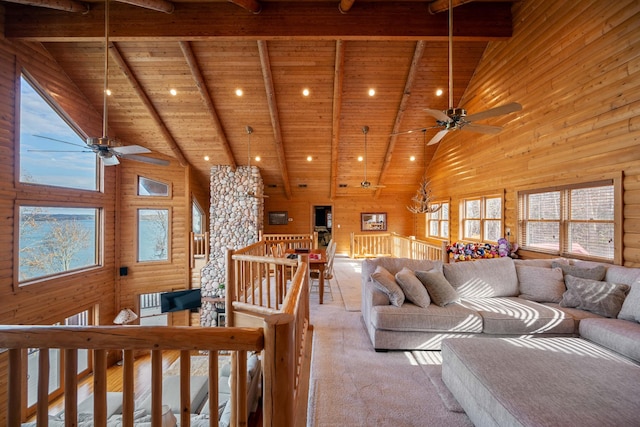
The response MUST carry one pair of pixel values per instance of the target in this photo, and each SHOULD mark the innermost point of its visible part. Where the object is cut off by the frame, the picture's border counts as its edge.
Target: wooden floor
(142, 383)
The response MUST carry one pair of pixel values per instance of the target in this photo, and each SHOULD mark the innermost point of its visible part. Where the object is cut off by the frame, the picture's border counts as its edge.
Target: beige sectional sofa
(582, 368)
(495, 298)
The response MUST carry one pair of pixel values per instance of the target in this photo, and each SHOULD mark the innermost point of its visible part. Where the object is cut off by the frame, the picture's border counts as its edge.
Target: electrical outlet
(508, 230)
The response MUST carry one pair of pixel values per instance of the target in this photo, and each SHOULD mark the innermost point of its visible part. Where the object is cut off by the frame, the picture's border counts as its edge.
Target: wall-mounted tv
(188, 299)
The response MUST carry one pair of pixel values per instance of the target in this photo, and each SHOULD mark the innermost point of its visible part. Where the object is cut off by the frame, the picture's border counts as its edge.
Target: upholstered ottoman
(541, 382)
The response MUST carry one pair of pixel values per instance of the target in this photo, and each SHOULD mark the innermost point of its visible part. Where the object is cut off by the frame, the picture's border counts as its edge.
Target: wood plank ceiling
(206, 50)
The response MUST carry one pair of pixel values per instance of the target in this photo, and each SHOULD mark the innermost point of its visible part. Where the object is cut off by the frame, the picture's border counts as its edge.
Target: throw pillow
(413, 288)
(601, 298)
(386, 283)
(631, 307)
(540, 284)
(595, 273)
(439, 288)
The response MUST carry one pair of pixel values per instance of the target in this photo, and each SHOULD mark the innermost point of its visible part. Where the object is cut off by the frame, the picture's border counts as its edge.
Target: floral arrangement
(459, 251)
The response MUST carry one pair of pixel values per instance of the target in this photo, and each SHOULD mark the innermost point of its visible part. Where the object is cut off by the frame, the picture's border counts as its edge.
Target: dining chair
(314, 275)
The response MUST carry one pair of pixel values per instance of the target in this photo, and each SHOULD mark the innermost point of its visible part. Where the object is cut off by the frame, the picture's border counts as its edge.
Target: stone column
(236, 220)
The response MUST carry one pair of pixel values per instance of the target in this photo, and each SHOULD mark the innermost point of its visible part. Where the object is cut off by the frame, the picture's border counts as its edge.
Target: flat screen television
(188, 299)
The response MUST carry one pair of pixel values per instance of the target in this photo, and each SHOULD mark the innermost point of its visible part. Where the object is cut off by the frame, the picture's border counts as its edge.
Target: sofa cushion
(602, 298)
(540, 262)
(512, 315)
(413, 288)
(483, 278)
(618, 335)
(452, 318)
(540, 284)
(199, 389)
(384, 281)
(631, 306)
(438, 287)
(593, 273)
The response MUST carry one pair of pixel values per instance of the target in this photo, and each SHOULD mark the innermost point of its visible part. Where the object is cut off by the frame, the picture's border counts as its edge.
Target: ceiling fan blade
(494, 112)
(438, 115)
(130, 149)
(438, 136)
(423, 129)
(151, 160)
(110, 161)
(486, 129)
(59, 140)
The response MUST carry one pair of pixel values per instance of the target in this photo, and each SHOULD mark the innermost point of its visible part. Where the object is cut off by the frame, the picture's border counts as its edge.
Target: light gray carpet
(347, 278)
(352, 385)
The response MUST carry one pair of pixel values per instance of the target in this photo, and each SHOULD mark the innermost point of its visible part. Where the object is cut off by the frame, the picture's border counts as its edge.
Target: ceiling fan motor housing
(103, 140)
(456, 113)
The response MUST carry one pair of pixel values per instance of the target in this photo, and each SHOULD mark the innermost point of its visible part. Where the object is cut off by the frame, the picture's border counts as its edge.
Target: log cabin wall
(53, 300)
(345, 215)
(574, 67)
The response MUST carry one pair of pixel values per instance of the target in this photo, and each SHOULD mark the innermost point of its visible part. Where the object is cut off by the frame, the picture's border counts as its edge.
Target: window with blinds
(577, 220)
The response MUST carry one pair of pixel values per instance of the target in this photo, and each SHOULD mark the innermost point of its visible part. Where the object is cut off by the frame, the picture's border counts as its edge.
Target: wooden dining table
(317, 262)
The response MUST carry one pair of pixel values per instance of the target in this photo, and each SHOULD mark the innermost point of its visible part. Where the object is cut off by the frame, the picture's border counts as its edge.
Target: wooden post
(15, 387)
(230, 289)
(43, 383)
(99, 388)
(279, 365)
(70, 383)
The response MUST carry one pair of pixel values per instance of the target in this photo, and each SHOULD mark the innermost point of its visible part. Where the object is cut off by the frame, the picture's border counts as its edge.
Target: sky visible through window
(45, 161)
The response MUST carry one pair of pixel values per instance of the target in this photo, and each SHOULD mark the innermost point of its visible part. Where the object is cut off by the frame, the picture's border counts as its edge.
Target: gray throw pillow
(386, 283)
(601, 298)
(413, 288)
(631, 307)
(540, 284)
(595, 273)
(439, 288)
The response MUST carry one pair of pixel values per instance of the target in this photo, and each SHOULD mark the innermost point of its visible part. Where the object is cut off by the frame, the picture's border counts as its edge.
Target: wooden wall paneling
(570, 71)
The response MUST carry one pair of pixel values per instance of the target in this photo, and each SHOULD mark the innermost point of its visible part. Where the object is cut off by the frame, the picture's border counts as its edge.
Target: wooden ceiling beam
(277, 21)
(252, 6)
(124, 67)
(443, 5)
(64, 5)
(157, 5)
(265, 62)
(338, 79)
(404, 102)
(192, 62)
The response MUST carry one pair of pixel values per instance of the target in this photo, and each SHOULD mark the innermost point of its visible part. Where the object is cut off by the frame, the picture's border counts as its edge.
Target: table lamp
(125, 316)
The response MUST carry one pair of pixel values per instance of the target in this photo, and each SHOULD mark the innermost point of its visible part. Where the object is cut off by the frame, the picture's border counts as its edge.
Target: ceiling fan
(107, 148)
(457, 118)
(365, 183)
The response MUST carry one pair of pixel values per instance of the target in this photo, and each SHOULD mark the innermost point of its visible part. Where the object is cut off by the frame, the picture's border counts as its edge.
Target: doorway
(322, 224)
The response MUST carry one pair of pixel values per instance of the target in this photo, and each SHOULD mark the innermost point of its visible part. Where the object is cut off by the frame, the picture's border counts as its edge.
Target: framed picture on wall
(373, 221)
(278, 218)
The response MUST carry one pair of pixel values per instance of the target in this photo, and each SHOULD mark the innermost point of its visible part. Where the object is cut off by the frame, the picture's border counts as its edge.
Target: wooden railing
(393, 245)
(292, 241)
(267, 311)
(199, 247)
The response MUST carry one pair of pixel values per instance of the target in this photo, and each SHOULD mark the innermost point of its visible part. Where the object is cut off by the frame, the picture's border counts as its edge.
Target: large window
(438, 222)
(55, 240)
(51, 150)
(481, 218)
(153, 235)
(576, 220)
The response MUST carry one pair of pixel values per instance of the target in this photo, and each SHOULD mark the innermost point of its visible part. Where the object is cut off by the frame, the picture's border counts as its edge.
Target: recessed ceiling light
(108, 92)
(305, 92)
(309, 158)
(258, 158)
(439, 92)
(372, 92)
(173, 92)
(239, 92)
(412, 158)
(360, 158)
(206, 158)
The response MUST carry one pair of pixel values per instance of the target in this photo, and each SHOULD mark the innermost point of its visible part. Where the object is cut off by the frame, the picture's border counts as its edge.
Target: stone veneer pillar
(235, 222)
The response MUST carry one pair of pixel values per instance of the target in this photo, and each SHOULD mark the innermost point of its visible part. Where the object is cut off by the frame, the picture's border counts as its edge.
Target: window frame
(483, 219)
(439, 220)
(99, 167)
(99, 241)
(564, 222)
(169, 234)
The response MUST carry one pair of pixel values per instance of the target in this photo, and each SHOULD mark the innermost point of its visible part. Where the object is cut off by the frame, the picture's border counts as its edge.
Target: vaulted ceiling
(272, 50)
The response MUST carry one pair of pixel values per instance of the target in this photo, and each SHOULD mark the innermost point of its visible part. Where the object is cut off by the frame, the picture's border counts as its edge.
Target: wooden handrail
(394, 245)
